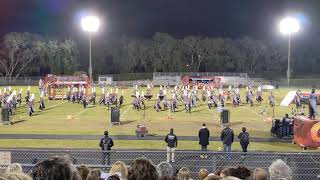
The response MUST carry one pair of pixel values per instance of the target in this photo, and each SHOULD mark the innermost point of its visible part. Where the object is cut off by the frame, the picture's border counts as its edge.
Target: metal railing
(155, 74)
(303, 165)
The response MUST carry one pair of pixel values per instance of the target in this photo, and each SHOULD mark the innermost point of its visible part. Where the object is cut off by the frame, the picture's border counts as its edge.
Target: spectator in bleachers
(212, 177)
(14, 167)
(114, 177)
(142, 169)
(230, 178)
(94, 174)
(244, 140)
(15, 175)
(225, 172)
(227, 137)
(120, 169)
(83, 172)
(168, 178)
(165, 169)
(172, 143)
(203, 173)
(53, 168)
(184, 173)
(260, 174)
(280, 170)
(240, 172)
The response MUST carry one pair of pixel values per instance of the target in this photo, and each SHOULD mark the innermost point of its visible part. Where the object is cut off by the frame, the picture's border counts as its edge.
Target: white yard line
(125, 112)
(79, 113)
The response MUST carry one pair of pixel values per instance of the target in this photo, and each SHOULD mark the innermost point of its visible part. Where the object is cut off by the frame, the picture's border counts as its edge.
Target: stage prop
(210, 81)
(306, 132)
(289, 98)
(58, 85)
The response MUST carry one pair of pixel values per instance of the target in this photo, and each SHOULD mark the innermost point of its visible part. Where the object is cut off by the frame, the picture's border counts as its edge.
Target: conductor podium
(306, 132)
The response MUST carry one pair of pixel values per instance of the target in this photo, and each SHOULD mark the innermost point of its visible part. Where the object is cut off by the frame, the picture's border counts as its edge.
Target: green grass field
(61, 117)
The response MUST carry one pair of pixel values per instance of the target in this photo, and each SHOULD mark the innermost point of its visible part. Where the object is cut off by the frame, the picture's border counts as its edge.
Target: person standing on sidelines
(244, 140)
(204, 135)
(227, 137)
(106, 144)
(172, 143)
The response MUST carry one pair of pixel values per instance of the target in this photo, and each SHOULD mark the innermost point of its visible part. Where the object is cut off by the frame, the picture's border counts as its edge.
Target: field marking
(79, 113)
(125, 112)
(56, 105)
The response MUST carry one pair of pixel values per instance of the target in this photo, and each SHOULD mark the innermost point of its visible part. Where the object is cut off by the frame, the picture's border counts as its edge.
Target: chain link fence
(303, 165)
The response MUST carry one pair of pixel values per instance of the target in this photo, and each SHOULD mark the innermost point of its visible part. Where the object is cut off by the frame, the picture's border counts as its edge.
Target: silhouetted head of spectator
(120, 169)
(168, 178)
(15, 175)
(184, 174)
(212, 177)
(204, 124)
(225, 172)
(53, 168)
(280, 170)
(240, 172)
(244, 129)
(260, 174)
(202, 174)
(171, 131)
(114, 177)
(94, 174)
(83, 172)
(14, 167)
(142, 169)
(106, 133)
(164, 169)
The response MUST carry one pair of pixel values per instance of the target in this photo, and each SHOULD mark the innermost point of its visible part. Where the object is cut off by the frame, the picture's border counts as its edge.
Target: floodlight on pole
(90, 24)
(288, 26)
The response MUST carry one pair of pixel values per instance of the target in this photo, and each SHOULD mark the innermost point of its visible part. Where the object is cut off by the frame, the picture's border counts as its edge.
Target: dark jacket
(204, 135)
(106, 143)
(244, 138)
(171, 140)
(227, 136)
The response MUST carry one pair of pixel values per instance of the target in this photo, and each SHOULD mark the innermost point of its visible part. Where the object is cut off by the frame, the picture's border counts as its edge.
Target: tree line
(30, 54)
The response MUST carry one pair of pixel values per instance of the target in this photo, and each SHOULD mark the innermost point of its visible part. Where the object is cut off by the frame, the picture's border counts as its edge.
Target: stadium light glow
(90, 23)
(288, 26)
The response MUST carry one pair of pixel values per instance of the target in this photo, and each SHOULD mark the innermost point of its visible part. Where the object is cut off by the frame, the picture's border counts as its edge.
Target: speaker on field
(5, 116)
(225, 116)
(115, 115)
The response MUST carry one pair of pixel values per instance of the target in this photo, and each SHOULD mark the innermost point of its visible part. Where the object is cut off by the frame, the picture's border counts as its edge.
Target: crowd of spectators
(61, 168)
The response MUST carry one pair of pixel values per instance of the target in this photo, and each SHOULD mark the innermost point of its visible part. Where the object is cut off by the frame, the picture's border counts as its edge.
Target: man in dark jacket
(227, 137)
(204, 135)
(172, 143)
(244, 140)
(106, 144)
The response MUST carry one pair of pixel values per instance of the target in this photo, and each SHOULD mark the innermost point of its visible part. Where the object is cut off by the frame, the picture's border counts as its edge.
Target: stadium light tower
(90, 24)
(288, 26)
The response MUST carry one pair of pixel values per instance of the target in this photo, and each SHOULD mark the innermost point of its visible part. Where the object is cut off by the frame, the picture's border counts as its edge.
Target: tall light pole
(90, 24)
(288, 26)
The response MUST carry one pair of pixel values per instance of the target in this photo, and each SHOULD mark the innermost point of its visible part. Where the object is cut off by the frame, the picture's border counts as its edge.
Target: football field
(65, 118)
